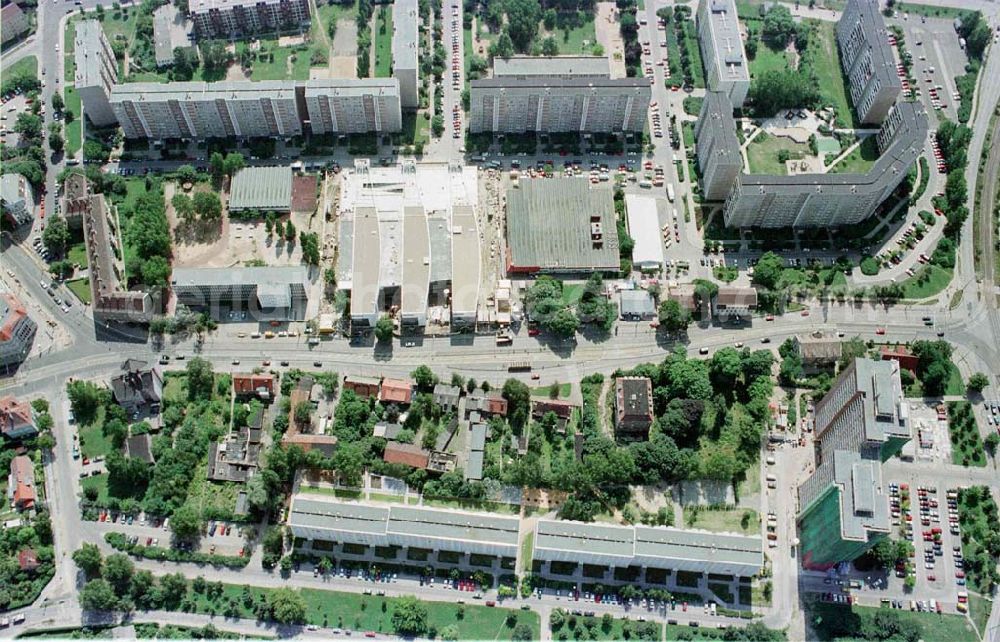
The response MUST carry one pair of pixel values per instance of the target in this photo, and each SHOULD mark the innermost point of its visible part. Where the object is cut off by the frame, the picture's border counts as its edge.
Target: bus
(519, 366)
(670, 192)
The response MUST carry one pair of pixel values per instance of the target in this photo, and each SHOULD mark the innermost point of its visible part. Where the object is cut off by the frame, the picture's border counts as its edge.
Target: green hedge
(120, 542)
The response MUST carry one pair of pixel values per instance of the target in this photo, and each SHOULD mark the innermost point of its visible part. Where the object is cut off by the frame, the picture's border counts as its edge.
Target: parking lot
(937, 59)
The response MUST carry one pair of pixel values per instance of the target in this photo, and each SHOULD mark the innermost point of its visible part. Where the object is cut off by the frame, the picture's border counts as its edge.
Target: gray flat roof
(876, 39)
(278, 274)
(349, 87)
(541, 82)
(317, 512)
(194, 90)
(454, 525)
(596, 539)
(416, 260)
(404, 34)
(552, 224)
(727, 44)
(864, 506)
(477, 438)
(170, 30)
(695, 545)
(885, 412)
(474, 465)
(440, 243)
(201, 6)
(365, 272)
(552, 66)
(262, 188)
(87, 46)
(465, 260)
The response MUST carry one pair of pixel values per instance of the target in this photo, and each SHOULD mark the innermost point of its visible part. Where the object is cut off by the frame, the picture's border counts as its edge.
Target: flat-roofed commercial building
(326, 519)
(557, 94)
(719, 159)
(110, 297)
(349, 106)
(726, 68)
(228, 19)
(561, 225)
(96, 72)
(405, 51)
(646, 546)
(193, 110)
(402, 229)
(827, 200)
(644, 228)
(860, 423)
(171, 29)
(266, 189)
(867, 60)
(277, 292)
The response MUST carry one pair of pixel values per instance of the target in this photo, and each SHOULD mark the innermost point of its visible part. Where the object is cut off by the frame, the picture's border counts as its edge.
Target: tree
(186, 523)
(768, 271)
(118, 571)
(97, 595)
(55, 237)
(173, 589)
(184, 206)
(779, 27)
(409, 618)
(217, 163)
(185, 63)
(779, 89)
(287, 606)
(563, 323)
(303, 412)
(289, 230)
(88, 558)
(56, 142)
(425, 378)
(57, 101)
(29, 126)
(502, 47)
(234, 162)
(156, 271)
(978, 382)
(991, 442)
(549, 19)
(207, 205)
(61, 269)
(518, 397)
(673, 318)
(200, 379)
(550, 47)
(523, 17)
(214, 55)
(523, 632)
(309, 242)
(383, 328)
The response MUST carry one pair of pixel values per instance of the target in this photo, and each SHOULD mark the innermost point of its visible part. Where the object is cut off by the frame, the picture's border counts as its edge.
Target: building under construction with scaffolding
(410, 245)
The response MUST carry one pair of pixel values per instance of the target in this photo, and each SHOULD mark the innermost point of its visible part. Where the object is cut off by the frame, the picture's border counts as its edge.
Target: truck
(670, 192)
(504, 338)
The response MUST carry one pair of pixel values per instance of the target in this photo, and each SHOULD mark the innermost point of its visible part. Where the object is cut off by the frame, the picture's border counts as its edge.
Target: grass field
(80, 287)
(949, 13)
(762, 155)
(282, 63)
(927, 282)
(93, 443)
(328, 13)
(860, 160)
(100, 482)
(963, 429)
(578, 39)
(74, 129)
(26, 67)
(691, 38)
(77, 253)
(370, 613)
(767, 60)
(383, 42)
(834, 619)
(724, 521)
(543, 391)
(955, 386)
(824, 59)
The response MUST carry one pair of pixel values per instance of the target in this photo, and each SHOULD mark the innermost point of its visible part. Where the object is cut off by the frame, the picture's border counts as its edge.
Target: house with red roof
(21, 483)
(17, 419)
(396, 391)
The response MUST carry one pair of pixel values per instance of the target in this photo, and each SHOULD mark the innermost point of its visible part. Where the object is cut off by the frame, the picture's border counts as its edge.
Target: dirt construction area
(230, 243)
(609, 37)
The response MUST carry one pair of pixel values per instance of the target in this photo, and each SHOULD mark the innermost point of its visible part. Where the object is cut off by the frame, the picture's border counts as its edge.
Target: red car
(534, 332)
(879, 330)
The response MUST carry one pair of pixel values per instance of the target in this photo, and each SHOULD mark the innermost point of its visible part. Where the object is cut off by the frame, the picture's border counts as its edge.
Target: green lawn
(383, 42)
(120, 25)
(578, 39)
(955, 385)
(691, 38)
(100, 482)
(949, 13)
(979, 611)
(963, 429)
(595, 628)
(836, 622)
(725, 521)
(927, 282)
(824, 59)
(571, 293)
(768, 59)
(332, 12)
(26, 67)
(370, 613)
(93, 443)
(281, 63)
(80, 287)
(77, 253)
(74, 130)
(543, 391)
(860, 160)
(762, 155)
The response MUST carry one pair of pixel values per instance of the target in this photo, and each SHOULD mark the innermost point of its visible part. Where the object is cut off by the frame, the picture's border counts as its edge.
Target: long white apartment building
(868, 61)
(557, 94)
(244, 109)
(232, 18)
(406, 50)
(96, 72)
(725, 60)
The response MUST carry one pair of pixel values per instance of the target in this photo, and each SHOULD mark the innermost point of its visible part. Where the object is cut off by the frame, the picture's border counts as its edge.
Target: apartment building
(17, 199)
(868, 61)
(726, 67)
(827, 200)
(276, 293)
(190, 110)
(719, 159)
(96, 72)
(17, 331)
(347, 106)
(405, 51)
(633, 407)
(558, 94)
(110, 297)
(859, 424)
(229, 19)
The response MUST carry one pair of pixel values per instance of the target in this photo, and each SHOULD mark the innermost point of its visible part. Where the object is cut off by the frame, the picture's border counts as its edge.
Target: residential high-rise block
(353, 106)
(719, 158)
(234, 18)
(722, 51)
(405, 51)
(96, 72)
(867, 60)
(558, 94)
(859, 424)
